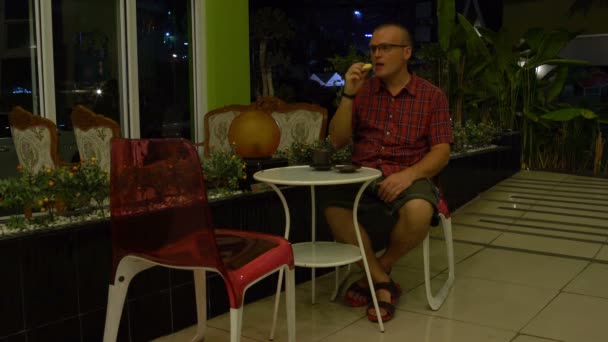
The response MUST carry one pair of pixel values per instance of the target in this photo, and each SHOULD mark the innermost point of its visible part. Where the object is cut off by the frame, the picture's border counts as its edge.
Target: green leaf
(569, 114)
(446, 13)
(561, 74)
(476, 47)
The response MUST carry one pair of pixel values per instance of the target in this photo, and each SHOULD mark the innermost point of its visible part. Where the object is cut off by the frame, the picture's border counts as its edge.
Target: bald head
(406, 38)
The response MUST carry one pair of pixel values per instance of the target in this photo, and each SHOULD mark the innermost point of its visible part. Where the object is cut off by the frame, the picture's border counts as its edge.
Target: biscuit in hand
(367, 67)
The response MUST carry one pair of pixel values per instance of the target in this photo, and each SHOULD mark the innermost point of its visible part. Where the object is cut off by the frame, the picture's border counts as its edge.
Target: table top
(306, 175)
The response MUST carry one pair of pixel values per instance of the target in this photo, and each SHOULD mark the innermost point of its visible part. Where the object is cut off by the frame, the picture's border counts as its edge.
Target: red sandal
(389, 307)
(360, 295)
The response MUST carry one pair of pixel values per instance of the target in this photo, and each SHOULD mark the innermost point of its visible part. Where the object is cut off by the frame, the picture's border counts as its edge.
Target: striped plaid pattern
(393, 133)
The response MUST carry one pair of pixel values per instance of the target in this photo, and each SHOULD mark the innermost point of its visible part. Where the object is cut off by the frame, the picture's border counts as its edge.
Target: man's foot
(358, 293)
(386, 294)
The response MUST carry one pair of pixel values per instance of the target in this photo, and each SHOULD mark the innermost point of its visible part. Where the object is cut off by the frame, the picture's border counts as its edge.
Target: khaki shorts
(377, 216)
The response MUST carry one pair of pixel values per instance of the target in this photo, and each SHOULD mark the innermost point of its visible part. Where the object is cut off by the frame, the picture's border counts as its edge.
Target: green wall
(519, 16)
(227, 26)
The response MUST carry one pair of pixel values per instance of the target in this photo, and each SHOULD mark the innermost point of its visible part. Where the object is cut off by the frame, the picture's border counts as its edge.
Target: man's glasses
(384, 47)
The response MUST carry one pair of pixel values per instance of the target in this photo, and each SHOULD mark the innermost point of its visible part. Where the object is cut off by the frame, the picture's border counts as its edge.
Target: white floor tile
(475, 235)
(528, 338)
(505, 197)
(521, 268)
(495, 209)
(603, 253)
(313, 321)
(572, 318)
(409, 326)
(438, 258)
(212, 334)
(574, 221)
(542, 175)
(557, 229)
(484, 302)
(548, 245)
(592, 281)
(408, 278)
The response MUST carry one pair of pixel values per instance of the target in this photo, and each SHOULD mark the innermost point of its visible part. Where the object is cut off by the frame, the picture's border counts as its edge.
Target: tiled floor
(531, 266)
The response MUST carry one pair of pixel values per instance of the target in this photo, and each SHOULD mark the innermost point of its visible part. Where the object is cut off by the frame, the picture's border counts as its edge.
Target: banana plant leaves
(568, 114)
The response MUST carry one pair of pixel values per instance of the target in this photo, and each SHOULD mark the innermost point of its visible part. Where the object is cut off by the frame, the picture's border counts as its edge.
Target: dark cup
(321, 158)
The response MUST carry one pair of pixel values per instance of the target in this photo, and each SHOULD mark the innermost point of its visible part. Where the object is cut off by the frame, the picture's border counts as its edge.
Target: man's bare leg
(409, 231)
(340, 221)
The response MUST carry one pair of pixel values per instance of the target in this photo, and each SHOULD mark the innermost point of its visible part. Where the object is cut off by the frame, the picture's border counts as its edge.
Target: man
(400, 124)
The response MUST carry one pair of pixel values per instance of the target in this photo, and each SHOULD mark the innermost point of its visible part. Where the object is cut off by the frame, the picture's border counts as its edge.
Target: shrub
(224, 169)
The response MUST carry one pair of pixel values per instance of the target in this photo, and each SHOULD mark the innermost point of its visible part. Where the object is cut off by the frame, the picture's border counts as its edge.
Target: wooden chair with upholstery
(216, 125)
(93, 134)
(301, 122)
(35, 140)
(267, 103)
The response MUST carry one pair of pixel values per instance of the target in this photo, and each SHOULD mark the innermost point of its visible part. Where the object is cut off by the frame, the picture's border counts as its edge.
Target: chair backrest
(93, 134)
(216, 125)
(158, 201)
(301, 122)
(35, 140)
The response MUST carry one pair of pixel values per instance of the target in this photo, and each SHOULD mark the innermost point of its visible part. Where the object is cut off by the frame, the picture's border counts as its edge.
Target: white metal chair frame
(130, 266)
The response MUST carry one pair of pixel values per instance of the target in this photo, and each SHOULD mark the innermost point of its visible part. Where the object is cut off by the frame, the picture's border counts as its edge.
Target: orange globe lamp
(255, 134)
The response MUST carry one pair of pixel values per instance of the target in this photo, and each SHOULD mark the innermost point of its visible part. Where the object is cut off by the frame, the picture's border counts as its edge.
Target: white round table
(315, 254)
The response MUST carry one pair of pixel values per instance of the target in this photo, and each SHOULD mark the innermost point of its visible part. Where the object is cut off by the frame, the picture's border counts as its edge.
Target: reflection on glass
(18, 74)
(86, 63)
(164, 67)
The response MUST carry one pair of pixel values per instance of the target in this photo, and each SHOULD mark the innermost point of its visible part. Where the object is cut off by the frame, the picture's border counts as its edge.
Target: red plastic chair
(160, 216)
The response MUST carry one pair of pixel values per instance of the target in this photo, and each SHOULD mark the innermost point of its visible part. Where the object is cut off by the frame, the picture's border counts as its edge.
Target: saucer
(347, 168)
(321, 167)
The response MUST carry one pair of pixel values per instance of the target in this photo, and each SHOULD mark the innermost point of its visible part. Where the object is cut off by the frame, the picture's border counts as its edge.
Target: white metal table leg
(363, 255)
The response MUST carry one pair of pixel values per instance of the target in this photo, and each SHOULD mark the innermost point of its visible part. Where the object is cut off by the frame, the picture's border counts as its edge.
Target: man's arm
(432, 163)
(340, 127)
(429, 166)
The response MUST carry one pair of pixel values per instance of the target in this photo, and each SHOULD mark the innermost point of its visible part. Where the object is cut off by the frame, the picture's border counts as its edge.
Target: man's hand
(355, 77)
(393, 185)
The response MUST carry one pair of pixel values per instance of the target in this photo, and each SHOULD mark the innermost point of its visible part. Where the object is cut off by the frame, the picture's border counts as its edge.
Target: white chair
(93, 134)
(35, 140)
(216, 125)
(301, 122)
(435, 301)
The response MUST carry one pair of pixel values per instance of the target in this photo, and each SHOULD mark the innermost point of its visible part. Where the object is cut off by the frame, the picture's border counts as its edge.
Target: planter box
(469, 174)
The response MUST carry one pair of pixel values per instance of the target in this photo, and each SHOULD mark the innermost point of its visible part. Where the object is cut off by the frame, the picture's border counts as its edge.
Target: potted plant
(73, 190)
(492, 78)
(224, 171)
(300, 153)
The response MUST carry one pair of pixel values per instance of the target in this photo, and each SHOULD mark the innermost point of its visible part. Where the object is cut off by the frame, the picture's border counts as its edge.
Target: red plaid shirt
(393, 133)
